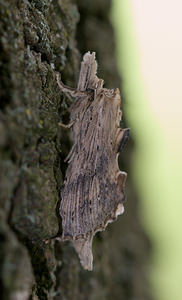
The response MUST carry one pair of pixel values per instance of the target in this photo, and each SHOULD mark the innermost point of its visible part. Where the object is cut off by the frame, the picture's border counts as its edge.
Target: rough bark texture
(38, 38)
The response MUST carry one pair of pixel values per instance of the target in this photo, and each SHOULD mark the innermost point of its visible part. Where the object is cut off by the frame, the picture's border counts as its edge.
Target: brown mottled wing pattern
(93, 191)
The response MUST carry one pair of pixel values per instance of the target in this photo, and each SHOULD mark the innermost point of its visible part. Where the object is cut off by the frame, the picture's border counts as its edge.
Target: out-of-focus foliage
(157, 159)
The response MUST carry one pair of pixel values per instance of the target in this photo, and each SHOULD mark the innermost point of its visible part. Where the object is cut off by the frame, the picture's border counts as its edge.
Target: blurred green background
(149, 47)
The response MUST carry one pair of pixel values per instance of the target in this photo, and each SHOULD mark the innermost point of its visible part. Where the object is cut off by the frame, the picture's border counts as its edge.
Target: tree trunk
(39, 38)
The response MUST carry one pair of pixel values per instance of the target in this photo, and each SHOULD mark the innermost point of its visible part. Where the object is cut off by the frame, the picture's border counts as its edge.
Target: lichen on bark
(38, 38)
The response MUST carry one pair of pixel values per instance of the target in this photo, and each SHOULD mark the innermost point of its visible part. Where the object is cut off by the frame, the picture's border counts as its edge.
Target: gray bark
(38, 38)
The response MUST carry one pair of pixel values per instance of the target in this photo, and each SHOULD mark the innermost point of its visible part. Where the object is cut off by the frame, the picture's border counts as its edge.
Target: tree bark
(38, 39)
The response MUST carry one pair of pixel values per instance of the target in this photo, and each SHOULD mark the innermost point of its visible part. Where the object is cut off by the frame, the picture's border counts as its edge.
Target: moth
(93, 190)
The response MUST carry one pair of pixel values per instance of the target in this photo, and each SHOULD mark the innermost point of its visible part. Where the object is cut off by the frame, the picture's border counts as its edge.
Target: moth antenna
(71, 91)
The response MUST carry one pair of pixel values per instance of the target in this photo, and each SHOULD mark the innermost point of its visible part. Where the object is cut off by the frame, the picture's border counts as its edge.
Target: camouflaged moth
(93, 191)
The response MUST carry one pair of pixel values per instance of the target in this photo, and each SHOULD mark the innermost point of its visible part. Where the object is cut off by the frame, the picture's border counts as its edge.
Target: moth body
(93, 191)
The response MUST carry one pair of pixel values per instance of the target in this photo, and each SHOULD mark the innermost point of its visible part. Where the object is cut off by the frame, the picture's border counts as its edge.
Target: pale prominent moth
(93, 191)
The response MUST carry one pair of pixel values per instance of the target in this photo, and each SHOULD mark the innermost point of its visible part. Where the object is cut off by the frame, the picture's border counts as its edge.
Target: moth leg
(67, 125)
(55, 238)
(73, 92)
